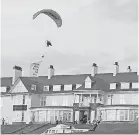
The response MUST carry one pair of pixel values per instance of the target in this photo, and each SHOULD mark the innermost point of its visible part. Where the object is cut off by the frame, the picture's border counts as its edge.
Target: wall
(60, 100)
(128, 98)
(35, 100)
(17, 99)
(6, 109)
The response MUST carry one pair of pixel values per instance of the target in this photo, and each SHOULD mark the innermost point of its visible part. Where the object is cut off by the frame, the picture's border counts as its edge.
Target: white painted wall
(17, 99)
(19, 88)
(123, 98)
(59, 100)
(7, 109)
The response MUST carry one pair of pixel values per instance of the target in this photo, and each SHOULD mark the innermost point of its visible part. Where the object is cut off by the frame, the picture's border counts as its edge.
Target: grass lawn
(103, 128)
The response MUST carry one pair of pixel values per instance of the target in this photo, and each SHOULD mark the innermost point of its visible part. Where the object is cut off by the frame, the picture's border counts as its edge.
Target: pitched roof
(28, 81)
(6, 81)
(120, 77)
(66, 79)
(108, 77)
(127, 77)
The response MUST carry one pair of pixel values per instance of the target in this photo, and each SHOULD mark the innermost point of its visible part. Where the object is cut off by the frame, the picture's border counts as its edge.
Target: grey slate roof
(6, 81)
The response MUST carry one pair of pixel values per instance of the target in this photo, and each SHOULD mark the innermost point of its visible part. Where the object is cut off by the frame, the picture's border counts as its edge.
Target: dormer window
(46, 88)
(88, 82)
(124, 85)
(113, 86)
(67, 87)
(56, 87)
(135, 85)
(33, 87)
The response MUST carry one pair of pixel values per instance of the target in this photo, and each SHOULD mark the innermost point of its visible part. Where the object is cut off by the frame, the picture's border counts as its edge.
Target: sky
(93, 31)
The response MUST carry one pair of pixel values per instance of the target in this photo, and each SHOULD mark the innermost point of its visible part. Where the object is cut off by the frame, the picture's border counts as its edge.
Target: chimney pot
(116, 63)
(17, 68)
(129, 69)
(51, 66)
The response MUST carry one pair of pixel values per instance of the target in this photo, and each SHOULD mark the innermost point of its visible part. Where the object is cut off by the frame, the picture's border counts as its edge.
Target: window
(46, 88)
(88, 84)
(134, 99)
(110, 97)
(126, 114)
(122, 114)
(54, 103)
(113, 86)
(67, 87)
(43, 101)
(33, 87)
(135, 85)
(56, 87)
(124, 85)
(23, 99)
(131, 115)
(122, 101)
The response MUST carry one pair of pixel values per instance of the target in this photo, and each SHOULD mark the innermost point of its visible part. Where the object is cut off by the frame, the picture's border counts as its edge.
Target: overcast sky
(100, 31)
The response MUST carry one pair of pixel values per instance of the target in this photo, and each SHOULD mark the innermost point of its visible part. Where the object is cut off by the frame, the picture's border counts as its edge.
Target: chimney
(129, 69)
(17, 73)
(50, 71)
(117, 68)
(94, 69)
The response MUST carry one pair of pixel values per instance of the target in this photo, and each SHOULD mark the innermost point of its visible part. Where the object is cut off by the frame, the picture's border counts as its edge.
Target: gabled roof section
(88, 79)
(6, 81)
(98, 84)
(29, 81)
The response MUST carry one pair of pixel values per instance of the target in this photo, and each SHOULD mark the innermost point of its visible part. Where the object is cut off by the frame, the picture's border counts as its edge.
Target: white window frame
(46, 88)
(56, 87)
(135, 85)
(124, 85)
(33, 87)
(67, 87)
(43, 101)
(88, 84)
(3, 89)
(122, 99)
(112, 85)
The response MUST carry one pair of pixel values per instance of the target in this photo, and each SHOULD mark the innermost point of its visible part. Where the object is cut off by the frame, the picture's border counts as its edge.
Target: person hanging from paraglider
(48, 43)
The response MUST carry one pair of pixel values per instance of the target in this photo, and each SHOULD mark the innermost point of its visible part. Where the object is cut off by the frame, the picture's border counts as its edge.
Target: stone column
(97, 98)
(74, 98)
(90, 98)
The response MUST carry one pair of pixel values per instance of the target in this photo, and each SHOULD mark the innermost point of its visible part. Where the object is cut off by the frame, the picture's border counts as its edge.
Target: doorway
(83, 116)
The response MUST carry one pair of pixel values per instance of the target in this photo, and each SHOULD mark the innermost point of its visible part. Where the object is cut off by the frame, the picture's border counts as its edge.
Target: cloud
(93, 31)
(119, 10)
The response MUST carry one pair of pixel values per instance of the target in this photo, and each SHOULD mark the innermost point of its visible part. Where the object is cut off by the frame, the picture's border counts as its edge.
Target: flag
(34, 69)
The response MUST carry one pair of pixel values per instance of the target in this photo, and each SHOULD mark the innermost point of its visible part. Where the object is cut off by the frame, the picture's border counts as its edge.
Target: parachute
(52, 14)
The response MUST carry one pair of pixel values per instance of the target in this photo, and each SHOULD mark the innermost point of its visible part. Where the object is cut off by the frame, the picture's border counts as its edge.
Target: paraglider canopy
(52, 14)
